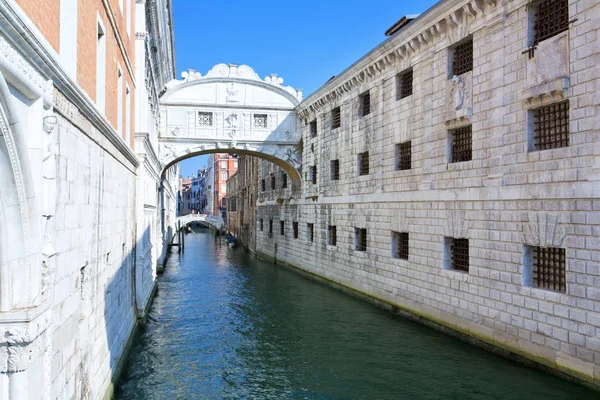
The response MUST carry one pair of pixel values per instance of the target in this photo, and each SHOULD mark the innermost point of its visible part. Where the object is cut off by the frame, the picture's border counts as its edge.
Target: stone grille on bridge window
(313, 174)
(461, 144)
(263, 185)
(400, 245)
(295, 228)
(283, 180)
(313, 128)
(273, 182)
(282, 228)
(551, 18)
(332, 235)
(260, 121)
(365, 103)
(336, 118)
(404, 84)
(363, 163)
(360, 239)
(549, 266)
(310, 232)
(551, 126)
(403, 156)
(462, 58)
(334, 166)
(205, 118)
(458, 252)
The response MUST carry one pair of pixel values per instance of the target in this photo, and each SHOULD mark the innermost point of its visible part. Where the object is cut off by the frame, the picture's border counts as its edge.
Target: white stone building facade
(453, 174)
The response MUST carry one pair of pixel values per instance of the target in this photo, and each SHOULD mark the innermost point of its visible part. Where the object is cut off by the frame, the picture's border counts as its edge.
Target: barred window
(457, 251)
(261, 225)
(310, 232)
(365, 103)
(260, 120)
(404, 84)
(549, 268)
(313, 174)
(282, 228)
(363, 163)
(551, 18)
(273, 182)
(400, 245)
(283, 180)
(462, 58)
(461, 144)
(403, 156)
(551, 126)
(336, 118)
(332, 235)
(313, 128)
(295, 228)
(270, 227)
(334, 168)
(263, 185)
(360, 239)
(205, 118)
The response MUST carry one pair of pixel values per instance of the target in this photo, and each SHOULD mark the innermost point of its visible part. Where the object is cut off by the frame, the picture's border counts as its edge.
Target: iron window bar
(404, 155)
(366, 103)
(336, 118)
(462, 58)
(335, 170)
(549, 268)
(462, 148)
(551, 126)
(459, 249)
(402, 245)
(364, 163)
(405, 84)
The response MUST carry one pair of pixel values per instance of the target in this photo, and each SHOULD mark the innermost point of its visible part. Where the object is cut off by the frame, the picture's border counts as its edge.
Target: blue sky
(305, 42)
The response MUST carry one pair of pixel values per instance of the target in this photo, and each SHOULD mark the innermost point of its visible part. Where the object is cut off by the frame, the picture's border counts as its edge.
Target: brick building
(223, 166)
(242, 192)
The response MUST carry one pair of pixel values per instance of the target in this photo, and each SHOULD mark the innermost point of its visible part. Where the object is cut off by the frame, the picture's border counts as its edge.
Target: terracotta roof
(401, 23)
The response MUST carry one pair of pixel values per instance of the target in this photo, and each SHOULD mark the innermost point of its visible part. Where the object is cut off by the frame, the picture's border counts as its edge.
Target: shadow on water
(226, 325)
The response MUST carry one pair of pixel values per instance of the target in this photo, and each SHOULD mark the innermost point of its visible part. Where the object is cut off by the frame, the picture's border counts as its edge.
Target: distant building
(242, 189)
(186, 201)
(223, 165)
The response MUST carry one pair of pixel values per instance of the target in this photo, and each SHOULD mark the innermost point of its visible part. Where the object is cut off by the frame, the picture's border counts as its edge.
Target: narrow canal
(225, 325)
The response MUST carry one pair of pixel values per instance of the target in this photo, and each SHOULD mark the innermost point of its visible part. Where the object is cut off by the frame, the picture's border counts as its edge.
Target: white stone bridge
(231, 110)
(202, 219)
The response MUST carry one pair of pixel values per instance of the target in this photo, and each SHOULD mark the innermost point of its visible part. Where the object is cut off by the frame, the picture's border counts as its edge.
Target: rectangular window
(224, 164)
(270, 227)
(283, 180)
(336, 118)
(363, 163)
(334, 168)
(360, 239)
(273, 182)
(551, 126)
(313, 128)
(460, 143)
(400, 245)
(223, 189)
(120, 102)
(313, 174)
(260, 121)
(205, 118)
(224, 176)
(282, 228)
(403, 156)
(295, 228)
(332, 235)
(310, 232)
(261, 224)
(365, 103)
(263, 185)
(404, 84)
(462, 57)
(551, 18)
(546, 268)
(101, 68)
(235, 164)
(127, 115)
(456, 254)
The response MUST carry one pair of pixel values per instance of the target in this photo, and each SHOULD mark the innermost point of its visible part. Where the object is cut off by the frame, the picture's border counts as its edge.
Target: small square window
(403, 156)
(270, 227)
(205, 118)
(260, 121)
(282, 228)
(334, 170)
(400, 245)
(545, 268)
(360, 239)
(261, 225)
(336, 118)
(313, 128)
(456, 254)
(332, 235)
(295, 228)
(310, 232)
(263, 185)
(273, 182)
(462, 57)
(404, 84)
(365, 103)
(313, 174)
(551, 126)
(283, 180)
(460, 143)
(551, 17)
(363, 163)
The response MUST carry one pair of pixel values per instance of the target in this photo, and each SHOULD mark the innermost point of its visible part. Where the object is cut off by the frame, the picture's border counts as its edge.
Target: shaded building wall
(243, 190)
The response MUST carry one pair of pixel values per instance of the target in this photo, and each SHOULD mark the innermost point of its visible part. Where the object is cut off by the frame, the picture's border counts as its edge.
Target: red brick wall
(46, 17)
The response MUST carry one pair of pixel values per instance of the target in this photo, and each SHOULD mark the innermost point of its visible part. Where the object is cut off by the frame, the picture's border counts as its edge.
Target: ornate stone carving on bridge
(460, 102)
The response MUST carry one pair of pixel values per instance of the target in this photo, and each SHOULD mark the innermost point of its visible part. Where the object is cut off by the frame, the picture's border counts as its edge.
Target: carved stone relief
(543, 229)
(459, 103)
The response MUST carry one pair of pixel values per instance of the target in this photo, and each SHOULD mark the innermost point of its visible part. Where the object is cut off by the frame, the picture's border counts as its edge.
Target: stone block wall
(506, 200)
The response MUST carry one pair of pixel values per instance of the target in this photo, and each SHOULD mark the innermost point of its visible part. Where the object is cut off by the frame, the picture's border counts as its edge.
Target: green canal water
(225, 325)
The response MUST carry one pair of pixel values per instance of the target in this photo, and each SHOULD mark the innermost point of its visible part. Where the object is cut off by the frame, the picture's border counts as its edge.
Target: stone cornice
(438, 21)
